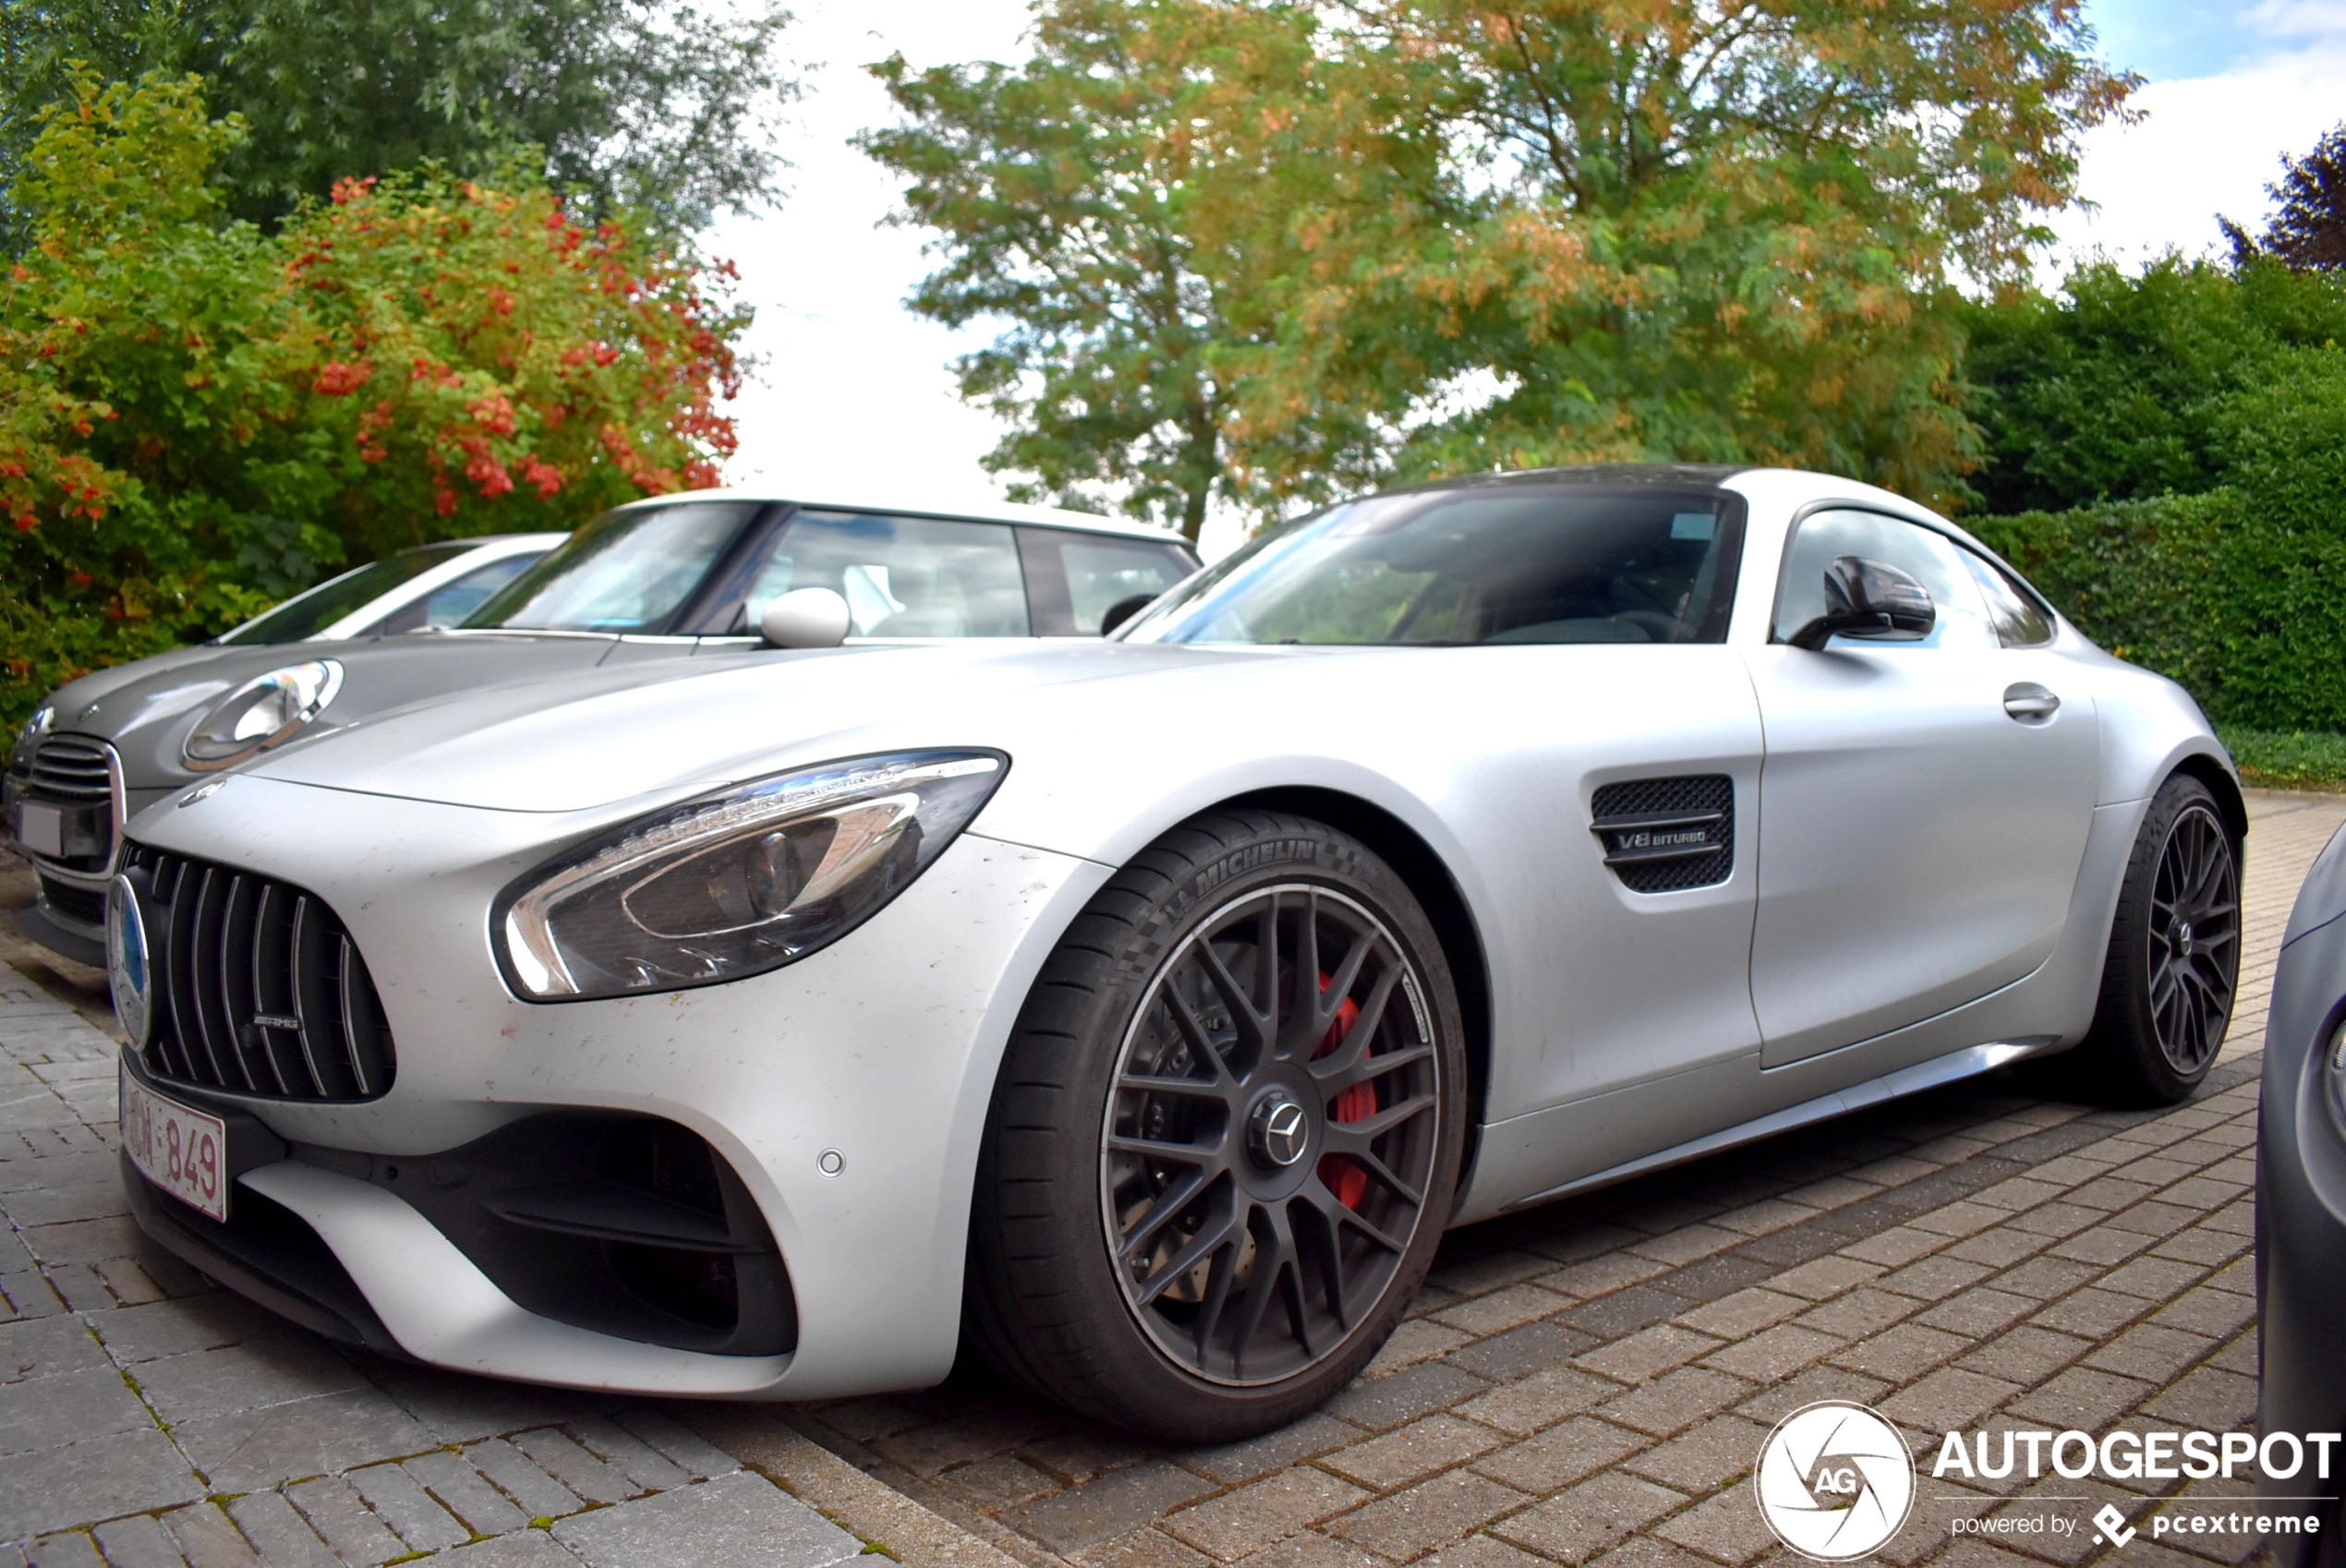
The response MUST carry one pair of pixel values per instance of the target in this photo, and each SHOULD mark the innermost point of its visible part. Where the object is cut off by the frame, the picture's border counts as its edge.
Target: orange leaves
(338, 377)
(493, 414)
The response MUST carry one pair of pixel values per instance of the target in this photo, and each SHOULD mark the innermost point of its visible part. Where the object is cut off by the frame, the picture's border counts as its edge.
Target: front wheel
(2174, 966)
(1225, 1136)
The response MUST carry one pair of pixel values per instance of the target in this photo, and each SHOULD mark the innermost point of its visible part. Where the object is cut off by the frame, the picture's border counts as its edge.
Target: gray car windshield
(305, 615)
(1502, 564)
(627, 571)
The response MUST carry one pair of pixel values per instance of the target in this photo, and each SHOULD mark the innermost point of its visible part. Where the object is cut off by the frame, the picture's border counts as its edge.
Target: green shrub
(2228, 592)
(2239, 593)
(197, 417)
(2296, 759)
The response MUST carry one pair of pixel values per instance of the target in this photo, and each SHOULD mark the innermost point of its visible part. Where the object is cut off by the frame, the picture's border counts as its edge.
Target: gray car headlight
(736, 883)
(29, 733)
(266, 711)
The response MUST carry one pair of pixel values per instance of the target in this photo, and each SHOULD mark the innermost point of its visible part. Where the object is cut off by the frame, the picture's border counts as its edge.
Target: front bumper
(2301, 1219)
(874, 1057)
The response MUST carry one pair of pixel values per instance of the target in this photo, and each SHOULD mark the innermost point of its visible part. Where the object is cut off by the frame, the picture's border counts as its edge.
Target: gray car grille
(71, 768)
(259, 988)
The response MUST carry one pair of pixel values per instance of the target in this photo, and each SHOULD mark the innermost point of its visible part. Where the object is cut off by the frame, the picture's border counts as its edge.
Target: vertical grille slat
(315, 1005)
(265, 993)
(359, 1030)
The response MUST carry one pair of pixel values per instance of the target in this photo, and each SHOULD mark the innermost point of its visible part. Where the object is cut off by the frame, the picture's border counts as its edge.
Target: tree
(637, 103)
(197, 417)
(1059, 188)
(2309, 230)
(1444, 235)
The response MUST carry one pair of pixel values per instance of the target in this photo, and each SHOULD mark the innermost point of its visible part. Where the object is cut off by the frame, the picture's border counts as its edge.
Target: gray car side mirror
(805, 618)
(1871, 599)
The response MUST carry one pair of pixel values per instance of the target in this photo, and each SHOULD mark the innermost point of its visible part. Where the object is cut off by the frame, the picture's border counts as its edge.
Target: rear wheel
(1226, 1138)
(2173, 968)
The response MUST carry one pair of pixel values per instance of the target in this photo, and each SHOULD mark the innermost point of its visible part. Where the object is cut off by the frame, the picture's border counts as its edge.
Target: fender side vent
(1663, 835)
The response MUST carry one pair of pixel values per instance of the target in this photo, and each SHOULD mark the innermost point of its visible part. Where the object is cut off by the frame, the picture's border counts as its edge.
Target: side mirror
(1871, 599)
(805, 618)
(1124, 610)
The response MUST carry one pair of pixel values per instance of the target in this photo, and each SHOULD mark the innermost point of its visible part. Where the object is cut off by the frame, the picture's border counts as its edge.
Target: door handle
(2030, 703)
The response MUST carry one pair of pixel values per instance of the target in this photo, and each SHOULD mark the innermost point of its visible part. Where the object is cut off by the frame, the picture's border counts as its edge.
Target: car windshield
(627, 571)
(1497, 564)
(305, 615)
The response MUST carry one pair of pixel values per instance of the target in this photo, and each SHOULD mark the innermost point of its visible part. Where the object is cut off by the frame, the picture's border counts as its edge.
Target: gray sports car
(661, 579)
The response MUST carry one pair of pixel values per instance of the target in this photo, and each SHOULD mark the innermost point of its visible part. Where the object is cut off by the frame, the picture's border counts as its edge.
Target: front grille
(84, 905)
(1662, 834)
(259, 989)
(71, 768)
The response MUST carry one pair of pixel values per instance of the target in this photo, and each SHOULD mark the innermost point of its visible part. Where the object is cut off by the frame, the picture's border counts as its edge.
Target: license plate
(176, 1147)
(41, 828)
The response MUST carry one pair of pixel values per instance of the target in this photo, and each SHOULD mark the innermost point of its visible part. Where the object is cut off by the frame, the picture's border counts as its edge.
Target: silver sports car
(726, 1026)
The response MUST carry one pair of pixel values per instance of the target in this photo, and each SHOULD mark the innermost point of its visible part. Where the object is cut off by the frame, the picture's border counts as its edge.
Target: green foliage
(1386, 238)
(2123, 385)
(1059, 187)
(2234, 592)
(658, 108)
(197, 417)
(2308, 227)
(2291, 759)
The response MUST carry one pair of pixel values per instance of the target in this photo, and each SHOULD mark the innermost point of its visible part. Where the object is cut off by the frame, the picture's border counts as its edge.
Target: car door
(1923, 804)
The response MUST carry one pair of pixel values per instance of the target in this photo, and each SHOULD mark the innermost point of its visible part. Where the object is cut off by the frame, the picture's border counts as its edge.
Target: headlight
(29, 733)
(265, 711)
(737, 882)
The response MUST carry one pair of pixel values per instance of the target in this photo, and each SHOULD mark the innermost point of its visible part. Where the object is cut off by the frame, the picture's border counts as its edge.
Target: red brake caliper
(1358, 1103)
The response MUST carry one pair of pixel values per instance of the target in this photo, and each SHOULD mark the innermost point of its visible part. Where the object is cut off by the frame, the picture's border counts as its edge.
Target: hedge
(2232, 595)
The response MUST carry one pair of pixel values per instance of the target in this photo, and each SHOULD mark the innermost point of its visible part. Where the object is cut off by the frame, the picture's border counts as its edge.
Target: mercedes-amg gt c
(727, 1025)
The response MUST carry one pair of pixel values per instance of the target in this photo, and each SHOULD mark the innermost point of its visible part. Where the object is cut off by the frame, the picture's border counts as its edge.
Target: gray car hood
(573, 743)
(146, 708)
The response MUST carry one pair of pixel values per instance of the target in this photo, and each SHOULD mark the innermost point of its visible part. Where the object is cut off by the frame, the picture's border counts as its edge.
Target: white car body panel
(1624, 1030)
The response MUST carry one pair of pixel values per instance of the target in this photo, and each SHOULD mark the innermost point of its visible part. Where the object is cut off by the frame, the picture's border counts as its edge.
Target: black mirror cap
(1124, 610)
(1871, 599)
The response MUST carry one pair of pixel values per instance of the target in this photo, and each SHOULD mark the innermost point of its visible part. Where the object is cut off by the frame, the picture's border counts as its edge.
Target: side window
(1074, 578)
(451, 602)
(2019, 621)
(1934, 560)
(902, 576)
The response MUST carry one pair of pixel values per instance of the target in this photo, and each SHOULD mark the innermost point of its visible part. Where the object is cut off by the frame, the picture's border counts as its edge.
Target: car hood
(573, 743)
(146, 708)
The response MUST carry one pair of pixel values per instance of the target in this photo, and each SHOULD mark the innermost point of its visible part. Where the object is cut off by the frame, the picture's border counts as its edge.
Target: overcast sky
(853, 398)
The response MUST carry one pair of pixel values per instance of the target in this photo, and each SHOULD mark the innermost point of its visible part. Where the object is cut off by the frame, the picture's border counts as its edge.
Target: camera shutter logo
(1835, 1481)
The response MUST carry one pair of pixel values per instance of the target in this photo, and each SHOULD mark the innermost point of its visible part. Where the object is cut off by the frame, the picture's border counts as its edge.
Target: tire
(2173, 972)
(1273, 1237)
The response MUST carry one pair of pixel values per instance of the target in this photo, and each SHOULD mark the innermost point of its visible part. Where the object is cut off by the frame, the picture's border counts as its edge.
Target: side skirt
(1952, 1067)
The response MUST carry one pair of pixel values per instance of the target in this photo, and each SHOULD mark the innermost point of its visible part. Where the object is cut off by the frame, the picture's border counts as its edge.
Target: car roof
(1709, 476)
(957, 508)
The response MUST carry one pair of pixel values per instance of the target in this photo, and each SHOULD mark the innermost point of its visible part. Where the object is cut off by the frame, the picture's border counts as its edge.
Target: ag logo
(1835, 1481)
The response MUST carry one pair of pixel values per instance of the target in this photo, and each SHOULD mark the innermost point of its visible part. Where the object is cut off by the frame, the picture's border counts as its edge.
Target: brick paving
(1586, 1384)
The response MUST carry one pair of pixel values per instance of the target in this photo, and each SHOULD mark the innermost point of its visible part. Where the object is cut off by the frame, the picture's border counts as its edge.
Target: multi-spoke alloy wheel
(1269, 1134)
(2195, 939)
(2174, 965)
(1225, 1136)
